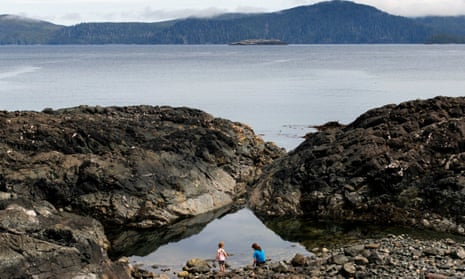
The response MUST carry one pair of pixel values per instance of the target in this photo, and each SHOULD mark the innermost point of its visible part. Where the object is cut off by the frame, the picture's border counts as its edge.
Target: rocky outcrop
(400, 164)
(66, 174)
(139, 166)
(38, 241)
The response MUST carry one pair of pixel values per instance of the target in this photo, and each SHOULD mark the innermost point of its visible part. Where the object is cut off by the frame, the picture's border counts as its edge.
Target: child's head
(255, 246)
(221, 244)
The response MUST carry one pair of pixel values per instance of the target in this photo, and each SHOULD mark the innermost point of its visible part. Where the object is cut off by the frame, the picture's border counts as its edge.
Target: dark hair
(256, 247)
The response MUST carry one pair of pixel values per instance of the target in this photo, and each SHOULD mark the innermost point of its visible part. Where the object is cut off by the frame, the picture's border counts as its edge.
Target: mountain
(333, 22)
(109, 33)
(20, 30)
(445, 29)
(326, 22)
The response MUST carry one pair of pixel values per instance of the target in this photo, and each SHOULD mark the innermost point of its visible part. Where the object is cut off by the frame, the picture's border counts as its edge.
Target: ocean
(280, 91)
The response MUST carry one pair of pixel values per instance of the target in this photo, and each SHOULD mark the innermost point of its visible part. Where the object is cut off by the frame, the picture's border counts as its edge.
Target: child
(259, 257)
(221, 256)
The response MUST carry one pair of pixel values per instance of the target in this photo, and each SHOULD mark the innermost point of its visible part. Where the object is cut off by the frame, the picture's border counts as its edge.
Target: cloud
(74, 11)
(419, 7)
(149, 14)
(70, 17)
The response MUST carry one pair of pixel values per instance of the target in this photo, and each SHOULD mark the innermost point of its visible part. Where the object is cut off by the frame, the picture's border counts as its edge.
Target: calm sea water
(238, 231)
(279, 91)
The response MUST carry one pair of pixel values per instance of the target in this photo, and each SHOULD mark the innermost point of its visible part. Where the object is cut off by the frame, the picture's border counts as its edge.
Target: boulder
(398, 164)
(197, 265)
(37, 241)
(299, 260)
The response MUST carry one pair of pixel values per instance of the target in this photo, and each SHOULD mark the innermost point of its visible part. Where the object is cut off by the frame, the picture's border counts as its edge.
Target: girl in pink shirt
(221, 256)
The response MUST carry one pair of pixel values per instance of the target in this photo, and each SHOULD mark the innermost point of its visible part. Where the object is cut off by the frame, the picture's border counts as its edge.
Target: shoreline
(394, 256)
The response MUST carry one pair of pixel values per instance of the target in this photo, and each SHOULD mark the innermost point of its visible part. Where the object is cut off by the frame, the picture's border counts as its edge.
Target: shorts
(220, 262)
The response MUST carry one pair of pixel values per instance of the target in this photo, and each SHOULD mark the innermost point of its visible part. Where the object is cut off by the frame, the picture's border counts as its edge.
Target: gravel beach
(395, 256)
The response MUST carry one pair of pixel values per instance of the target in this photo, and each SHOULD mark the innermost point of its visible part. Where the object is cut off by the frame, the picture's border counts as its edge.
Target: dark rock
(133, 168)
(376, 258)
(138, 166)
(354, 250)
(399, 164)
(37, 241)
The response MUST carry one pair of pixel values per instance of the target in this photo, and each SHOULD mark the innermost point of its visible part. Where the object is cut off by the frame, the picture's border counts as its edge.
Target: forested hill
(20, 30)
(334, 22)
(444, 29)
(326, 22)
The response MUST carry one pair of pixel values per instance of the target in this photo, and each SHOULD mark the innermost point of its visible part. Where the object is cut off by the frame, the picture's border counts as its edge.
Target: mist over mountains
(333, 22)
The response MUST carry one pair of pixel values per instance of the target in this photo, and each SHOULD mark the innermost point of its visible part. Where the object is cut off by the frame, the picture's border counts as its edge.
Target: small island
(251, 42)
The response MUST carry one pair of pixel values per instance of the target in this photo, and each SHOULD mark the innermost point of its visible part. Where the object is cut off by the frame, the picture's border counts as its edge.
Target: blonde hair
(221, 244)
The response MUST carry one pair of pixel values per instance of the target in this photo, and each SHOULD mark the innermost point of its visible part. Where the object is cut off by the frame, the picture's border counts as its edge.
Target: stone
(375, 258)
(183, 274)
(197, 265)
(280, 267)
(324, 251)
(298, 260)
(372, 246)
(360, 260)
(348, 270)
(435, 276)
(354, 250)
(340, 259)
(459, 253)
(432, 251)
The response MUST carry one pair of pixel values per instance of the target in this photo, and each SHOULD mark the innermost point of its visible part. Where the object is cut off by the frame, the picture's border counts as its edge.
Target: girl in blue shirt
(258, 255)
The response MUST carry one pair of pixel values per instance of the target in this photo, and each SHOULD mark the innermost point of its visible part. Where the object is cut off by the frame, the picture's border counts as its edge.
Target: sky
(69, 12)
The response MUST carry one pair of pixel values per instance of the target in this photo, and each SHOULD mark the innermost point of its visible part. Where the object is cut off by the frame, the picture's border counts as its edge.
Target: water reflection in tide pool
(281, 239)
(238, 230)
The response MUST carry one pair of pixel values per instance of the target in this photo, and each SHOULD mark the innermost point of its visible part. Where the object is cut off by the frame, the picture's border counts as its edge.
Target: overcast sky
(70, 12)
